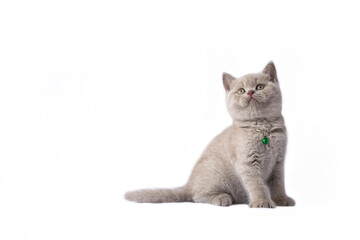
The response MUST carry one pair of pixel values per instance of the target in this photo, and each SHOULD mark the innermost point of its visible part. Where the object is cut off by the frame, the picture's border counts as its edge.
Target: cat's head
(255, 95)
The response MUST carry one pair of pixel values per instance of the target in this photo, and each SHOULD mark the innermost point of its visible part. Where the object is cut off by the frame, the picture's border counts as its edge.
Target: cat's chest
(263, 144)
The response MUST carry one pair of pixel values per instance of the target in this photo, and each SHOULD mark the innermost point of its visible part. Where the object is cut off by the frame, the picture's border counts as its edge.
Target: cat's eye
(260, 87)
(240, 91)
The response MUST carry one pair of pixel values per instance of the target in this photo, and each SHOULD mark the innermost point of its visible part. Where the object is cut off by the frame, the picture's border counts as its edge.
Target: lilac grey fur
(237, 167)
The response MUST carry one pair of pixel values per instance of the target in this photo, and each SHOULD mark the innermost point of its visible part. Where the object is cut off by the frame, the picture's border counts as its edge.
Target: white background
(101, 97)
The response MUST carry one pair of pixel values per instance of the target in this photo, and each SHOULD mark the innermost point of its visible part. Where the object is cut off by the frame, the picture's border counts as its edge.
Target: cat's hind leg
(218, 199)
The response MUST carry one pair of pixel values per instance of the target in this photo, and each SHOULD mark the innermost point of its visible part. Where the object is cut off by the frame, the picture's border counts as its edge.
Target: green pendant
(265, 140)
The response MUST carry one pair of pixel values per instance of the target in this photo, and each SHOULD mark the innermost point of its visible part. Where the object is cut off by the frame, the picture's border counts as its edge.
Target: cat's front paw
(262, 204)
(285, 201)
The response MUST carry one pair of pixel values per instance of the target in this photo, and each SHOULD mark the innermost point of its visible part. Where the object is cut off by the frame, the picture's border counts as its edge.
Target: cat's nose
(251, 92)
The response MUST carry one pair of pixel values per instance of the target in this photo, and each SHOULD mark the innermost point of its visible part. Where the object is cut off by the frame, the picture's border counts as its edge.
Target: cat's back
(218, 153)
(214, 171)
(222, 145)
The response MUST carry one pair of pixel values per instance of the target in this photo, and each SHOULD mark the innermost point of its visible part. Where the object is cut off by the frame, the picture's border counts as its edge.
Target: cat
(245, 163)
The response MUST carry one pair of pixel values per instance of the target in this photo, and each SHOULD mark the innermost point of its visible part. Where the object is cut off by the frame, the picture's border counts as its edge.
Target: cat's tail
(162, 195)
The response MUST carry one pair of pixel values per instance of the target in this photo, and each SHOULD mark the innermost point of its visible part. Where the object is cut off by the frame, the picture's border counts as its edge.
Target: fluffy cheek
(233, 105)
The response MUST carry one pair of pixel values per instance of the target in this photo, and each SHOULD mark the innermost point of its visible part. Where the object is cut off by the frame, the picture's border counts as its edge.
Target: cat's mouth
(247, 101)
(251, 98)
(251, 101)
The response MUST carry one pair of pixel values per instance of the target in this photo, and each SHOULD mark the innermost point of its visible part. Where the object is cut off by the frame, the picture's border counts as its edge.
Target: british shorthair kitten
(244, 163)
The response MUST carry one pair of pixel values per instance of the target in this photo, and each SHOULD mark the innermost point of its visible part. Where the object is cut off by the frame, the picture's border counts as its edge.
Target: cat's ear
(227, 80)
(271, 71)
